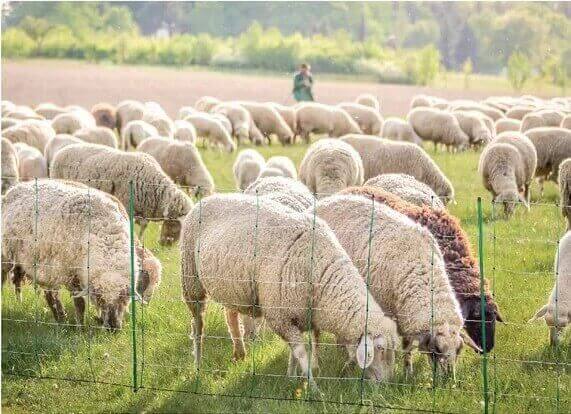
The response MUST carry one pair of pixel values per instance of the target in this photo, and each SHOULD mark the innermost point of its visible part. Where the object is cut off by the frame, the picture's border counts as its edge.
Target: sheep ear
(468, 341)
(365, 352)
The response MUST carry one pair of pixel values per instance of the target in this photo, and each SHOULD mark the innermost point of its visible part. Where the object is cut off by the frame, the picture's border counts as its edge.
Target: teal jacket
(302, 91)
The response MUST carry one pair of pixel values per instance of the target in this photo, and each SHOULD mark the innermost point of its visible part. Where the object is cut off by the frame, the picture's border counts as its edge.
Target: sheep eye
(379, 347)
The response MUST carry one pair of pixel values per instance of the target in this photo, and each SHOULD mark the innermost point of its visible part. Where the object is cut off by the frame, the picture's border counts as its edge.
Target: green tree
(427, 66)
(467, 69)
(519, 70)
(36, 29)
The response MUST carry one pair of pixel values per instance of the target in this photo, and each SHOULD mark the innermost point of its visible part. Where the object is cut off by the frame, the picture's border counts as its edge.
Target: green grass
(524, 376)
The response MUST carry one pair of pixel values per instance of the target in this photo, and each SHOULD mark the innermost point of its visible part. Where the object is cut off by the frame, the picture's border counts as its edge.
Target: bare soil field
(69, 82)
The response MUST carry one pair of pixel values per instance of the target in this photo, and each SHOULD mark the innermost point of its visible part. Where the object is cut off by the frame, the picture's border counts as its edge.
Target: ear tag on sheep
(365, 346)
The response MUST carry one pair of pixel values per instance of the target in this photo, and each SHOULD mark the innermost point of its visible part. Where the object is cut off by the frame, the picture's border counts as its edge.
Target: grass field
(525, 374)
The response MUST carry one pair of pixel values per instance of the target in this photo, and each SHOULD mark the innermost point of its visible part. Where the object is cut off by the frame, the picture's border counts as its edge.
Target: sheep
(565, 122)
(397, 129)
(105, 115)
(182, 162)
(32, 132)
(57, 143)
(519, 111)
(488, 122)
(287, 113)
(211, 130)
(97, 135)
(271, 172)
(285, 190)
(206, 103)
(136, 132)
(185, 111)
(557, 311)
(9, 122)
(31, 162)
(369, 120)
(565, 190)
(313, 117)
(69, 122)
(284, 164)
(487, 110)
(49, 110)
(69, 214)
(156, 196)
(9, 165)
(6, 106)
(243, 126)
(259, 277)
(553, 145)
(405, 273)
(329, 165)
(370, 100)
(128, 111)
(408, 188)
(224, 121)
(473, 125)
(159, 119)
(381, 156)
(268, 120)
(438, 126)
(21, 112)
(507, 124)
(421, 101)
(184, 131)
(247, 167)
(542, 118)
(461, 265)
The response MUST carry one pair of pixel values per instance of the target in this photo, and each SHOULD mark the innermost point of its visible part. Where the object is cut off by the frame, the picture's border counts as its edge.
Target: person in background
(302, 84)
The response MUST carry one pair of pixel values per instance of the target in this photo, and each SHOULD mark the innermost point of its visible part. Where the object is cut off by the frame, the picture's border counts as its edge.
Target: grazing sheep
(421, 101)
(247, 167)
(105, 115)
(397, 129)
(553, 145)
(49, 110)
(271, 172)
(31, 162)
(488, 122)
(97, 135)
(473, 106)
(156, 196)
(6, 106)
(9, 165)
(329, 165)
(182, 162)
(408, 188)
(287, 113)
(369, 120)
(159, 120)
(136, 132)
(528, 152)
(52, 238)
(519, 111)
(224, 121)
(184, 131)
(405, 273)
(543, 118)
(370, 100)
(211, 130)
(557, 311)
(438, 126)
(382, 156)
(284, 190)
(268, 121)
(57, 143)
(243, 126)
(206, 103)
(565, 190)
(284, 164)
(185, 111)
(565, 123)
(259, 277)
(128, 111)
(313, 117)
(21, 112)
(32, 132)
(69, 122)
(461, 265)
(507, 124)
(9, 122)
(473, 125)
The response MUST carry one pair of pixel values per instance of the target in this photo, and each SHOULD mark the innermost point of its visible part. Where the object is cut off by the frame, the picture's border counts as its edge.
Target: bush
(16, 43)
(61, 43)
(427, 65)
(519, 70)
(204, 49)
(388, 72)
(420, 34)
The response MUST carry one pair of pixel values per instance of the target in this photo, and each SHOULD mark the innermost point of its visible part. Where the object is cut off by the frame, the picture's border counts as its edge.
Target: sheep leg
(554, 333)
(79, 305)
(249, 325)
(291, 365)
(315, 351)
(541, 182)
(18, 276)
(527, 192)
(52, 298)
(238, 351)
(407, 344)
(293, 336)
(197, 308)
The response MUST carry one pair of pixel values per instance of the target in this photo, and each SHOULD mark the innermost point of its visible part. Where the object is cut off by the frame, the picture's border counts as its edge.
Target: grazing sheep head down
(509, 199)
(110, 293)
(177, 205)
(170, 232)
(472, 313)
(149, 274)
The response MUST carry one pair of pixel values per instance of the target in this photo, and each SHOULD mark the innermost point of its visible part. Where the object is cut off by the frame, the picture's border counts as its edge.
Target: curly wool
(57, 143)
(407, 188)
(440, 127)
(286, 191)
(9, 165)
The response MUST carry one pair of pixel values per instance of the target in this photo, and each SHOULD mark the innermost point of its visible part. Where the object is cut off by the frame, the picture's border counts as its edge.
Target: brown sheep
(105, 115)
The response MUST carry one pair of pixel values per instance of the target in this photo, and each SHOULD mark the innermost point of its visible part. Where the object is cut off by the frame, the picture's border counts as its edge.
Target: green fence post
(133, 305)
(482, 303)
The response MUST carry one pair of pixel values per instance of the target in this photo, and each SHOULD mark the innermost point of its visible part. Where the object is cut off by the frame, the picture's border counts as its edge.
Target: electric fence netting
(224, 328)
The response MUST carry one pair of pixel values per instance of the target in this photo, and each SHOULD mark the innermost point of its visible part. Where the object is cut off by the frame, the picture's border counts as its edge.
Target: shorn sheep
(31, 162)
(105, 115)
(382, 156)
(405, 273)
(287, 191)
(557, 311)
(565, 190)
(397, 129)
(313, 117)
(370, 100)
(438, 126)
(461, 265)
(258, 278)
(156, 196)
(9, 165)
(97, 135)
(211, 130)
(247, 167)
(32, 132)
(408, 188)
(369, 120)
(330, 165)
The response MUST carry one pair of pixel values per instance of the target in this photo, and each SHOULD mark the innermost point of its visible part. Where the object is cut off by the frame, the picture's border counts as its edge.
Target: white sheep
(330, 165)
(211, 130)
(21, 112)
(473, 125)
(284, 164)
(181, 161)
(542, 118)
(206, 103)
(313, 117)
(247, 167)
(97, 135)
(557, 311)
(408, 188)
(243, 126)
(438, 126)
(157, 117)
(269, 272)
(369, 120)
(382, 156)
(287, 113)
(31, 162)
(566, 122)
(370, 100)
(9, 165)
(184, 131)
(32, 132)
(69, 122)
(519, 111)
(398, 129)
(287, 191)
(565, 190)
(467, 105)
(185, 111)
(507, 124)
(135, 132)
(49, 110)
(9, 122)
(57, 143)
(269, 121)
(128, 111)
(224, 121)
